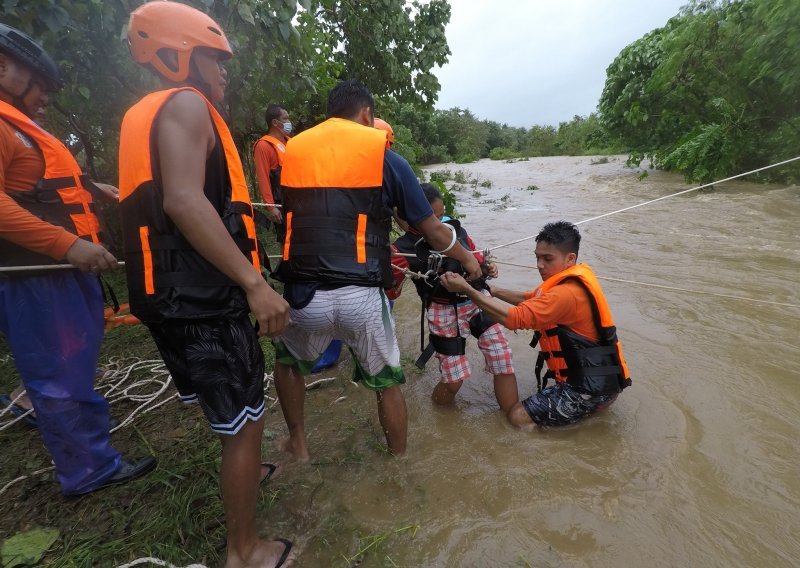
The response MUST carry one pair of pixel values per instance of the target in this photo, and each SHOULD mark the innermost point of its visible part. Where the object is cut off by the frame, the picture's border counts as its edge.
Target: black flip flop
(271, 469)
(287, 548)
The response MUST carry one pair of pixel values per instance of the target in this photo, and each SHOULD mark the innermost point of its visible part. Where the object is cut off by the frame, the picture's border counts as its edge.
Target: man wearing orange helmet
(192, 255)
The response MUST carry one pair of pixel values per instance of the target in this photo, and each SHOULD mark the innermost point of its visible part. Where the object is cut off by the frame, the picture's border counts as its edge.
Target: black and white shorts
(560, 404)
(218, 363)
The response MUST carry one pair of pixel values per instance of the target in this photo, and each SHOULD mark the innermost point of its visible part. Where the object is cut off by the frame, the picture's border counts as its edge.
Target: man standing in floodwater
(192, 254)
(574, 330)
(339, 185)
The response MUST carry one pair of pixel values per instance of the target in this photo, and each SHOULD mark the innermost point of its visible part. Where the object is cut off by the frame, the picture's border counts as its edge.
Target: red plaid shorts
(493, 344)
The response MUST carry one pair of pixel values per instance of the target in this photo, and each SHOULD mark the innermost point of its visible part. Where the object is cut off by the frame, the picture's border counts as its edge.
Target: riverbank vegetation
(712, 93)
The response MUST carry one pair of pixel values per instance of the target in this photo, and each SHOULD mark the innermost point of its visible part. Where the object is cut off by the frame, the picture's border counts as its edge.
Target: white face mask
(287, 127)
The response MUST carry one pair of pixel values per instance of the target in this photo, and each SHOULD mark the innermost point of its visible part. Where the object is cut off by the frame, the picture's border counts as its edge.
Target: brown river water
(697, 464)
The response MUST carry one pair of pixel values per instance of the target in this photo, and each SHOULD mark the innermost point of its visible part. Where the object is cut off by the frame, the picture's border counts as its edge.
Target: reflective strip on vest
(147, 255)
(361, 239)
(288, 238)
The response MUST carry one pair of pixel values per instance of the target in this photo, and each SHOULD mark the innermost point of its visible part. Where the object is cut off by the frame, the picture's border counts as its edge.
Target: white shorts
(361, 318)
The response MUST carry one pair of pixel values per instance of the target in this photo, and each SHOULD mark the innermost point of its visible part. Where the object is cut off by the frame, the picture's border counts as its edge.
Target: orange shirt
(21, 166)
(266, 160)
(566, 304)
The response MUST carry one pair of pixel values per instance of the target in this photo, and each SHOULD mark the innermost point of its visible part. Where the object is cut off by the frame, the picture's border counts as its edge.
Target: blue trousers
(54, 327)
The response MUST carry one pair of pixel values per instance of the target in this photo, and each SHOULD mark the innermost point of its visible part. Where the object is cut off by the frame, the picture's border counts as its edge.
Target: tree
(390, 45)
(286, 51)
(713, 92)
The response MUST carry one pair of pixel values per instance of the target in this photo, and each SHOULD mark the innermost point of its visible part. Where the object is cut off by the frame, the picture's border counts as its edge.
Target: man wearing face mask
(268, 156)
(53, 320)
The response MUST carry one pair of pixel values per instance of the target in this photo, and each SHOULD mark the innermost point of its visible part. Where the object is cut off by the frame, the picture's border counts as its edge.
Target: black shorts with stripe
(217, 362)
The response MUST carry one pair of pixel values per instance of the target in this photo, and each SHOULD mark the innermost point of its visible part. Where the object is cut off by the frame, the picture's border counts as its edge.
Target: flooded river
(695, 465)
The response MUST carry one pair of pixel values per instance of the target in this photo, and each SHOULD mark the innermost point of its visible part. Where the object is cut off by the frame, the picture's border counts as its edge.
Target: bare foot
(297, 449)
(266, 554)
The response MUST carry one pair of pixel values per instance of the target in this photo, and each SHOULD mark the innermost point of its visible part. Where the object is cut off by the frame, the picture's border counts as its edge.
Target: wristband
(452, 242)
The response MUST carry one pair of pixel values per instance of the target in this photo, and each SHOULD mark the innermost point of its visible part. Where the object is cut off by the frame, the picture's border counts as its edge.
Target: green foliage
(287, 51)
(391, 45)
(713, 92)
(442, 176)
(448, 197)
(503, 153)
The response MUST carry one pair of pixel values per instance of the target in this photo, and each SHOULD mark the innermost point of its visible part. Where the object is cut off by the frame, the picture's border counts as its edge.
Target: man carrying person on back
(339, 185)
(575, 332)
(192, 256)
(53, 320)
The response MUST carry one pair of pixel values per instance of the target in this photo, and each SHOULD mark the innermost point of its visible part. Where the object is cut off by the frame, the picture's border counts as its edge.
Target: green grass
(175, 513)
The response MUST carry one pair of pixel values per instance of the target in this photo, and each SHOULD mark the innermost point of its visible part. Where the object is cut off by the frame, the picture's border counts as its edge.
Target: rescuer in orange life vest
(339, 185)
(53, 320)
(268, 158)
(192, 255)
(574, 331)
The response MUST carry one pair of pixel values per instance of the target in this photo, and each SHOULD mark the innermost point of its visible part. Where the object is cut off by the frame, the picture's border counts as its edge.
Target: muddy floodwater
(697, 464)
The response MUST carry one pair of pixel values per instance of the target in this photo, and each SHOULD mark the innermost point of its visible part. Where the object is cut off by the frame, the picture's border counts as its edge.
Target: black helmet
(24, 49)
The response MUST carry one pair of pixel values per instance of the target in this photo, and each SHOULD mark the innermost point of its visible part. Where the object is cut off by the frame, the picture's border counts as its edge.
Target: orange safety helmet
(383, 125)
(173, 26)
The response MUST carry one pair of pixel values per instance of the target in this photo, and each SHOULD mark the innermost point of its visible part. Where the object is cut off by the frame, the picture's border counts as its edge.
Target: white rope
(590, 219)
(53, 267)
(674, 288)
(21, 477)
(266, 205)
(410, 274)
(157, 562)
(7, 410)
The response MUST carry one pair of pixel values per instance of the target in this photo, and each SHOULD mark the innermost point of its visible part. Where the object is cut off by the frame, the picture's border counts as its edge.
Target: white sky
(526, 62)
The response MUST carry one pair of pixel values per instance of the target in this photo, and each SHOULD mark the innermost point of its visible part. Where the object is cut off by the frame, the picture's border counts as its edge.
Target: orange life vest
(337, 226)
(275, 174)
(590, 367)
(62, 197)
(167, 278)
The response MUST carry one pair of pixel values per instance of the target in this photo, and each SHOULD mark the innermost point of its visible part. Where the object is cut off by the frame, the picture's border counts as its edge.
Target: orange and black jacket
(167, 278)
(594, 368)
(337, 226)
(62, 197)
(275, 174)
